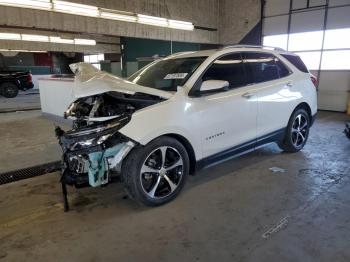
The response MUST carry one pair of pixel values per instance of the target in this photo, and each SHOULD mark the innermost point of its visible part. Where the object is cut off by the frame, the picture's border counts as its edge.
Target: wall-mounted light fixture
(117, 15)
(10, 36)
(152, 20)
(97, 12)
(35, 38)
(57, 39)
(75, 9)
(34, 4)
(45, 38)
(20, 50)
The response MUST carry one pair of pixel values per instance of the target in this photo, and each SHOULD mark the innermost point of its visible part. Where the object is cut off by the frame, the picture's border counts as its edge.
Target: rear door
(273, 86)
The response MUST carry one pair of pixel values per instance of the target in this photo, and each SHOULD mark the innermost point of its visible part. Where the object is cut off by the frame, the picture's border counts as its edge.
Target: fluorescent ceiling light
(35, 4)
(118, 16)
(12, 50)
(176, 24)
(57, 39)
(79, 41)
(75, 9)
(152, 20)
(10, 36)
(19, 50)
(94, 11)
(35, 38)
(45, 38)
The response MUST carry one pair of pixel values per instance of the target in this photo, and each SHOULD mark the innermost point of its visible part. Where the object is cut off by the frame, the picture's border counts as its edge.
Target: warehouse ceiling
(179, 20)
(56, 41)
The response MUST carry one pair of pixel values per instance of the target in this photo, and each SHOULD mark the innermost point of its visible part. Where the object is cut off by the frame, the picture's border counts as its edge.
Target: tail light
(30, 78)
(313, 79)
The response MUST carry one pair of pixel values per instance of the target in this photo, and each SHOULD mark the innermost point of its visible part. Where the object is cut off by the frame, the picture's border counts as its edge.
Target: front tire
(297, 132)
(9, 90)
(155, 174)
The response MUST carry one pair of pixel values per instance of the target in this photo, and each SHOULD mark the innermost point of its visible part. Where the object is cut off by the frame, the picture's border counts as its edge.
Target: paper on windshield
(175, 76)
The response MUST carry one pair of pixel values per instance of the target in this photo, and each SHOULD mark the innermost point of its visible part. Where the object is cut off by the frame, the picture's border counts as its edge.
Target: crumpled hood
(91, 81)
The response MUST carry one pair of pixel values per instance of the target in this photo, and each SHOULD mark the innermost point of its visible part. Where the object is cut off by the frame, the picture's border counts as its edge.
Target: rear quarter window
(297, 62)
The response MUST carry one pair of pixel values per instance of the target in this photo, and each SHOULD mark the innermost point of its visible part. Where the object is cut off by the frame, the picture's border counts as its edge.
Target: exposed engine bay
(91, 110)
(93, 149)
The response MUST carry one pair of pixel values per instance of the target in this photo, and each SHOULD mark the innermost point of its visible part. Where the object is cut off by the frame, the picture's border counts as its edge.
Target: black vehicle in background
(13, 81)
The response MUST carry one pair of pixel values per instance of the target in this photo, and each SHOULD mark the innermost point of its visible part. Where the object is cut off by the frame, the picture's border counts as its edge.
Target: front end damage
(91, 156)
(93, 150)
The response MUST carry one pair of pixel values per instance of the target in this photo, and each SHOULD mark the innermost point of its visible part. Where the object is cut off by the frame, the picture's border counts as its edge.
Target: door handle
(289, 84)
(247, 95)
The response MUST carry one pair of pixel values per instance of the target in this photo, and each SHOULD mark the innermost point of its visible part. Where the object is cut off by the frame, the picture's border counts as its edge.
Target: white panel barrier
(36, 80)
(55, 95)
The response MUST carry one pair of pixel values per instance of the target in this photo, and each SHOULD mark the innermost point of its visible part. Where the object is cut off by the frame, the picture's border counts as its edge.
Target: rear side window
(228, 68)
(260, 67)
(282, 69)
(297, 62)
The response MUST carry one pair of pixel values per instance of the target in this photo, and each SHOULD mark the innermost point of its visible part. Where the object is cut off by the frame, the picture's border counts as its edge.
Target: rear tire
(297, 132)
(156, 173)
(9, 90)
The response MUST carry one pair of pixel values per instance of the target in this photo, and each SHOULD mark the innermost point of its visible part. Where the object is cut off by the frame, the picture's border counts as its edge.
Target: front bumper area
(90, 157)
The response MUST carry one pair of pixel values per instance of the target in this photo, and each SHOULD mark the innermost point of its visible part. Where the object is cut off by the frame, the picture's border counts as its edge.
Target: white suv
(184, 112)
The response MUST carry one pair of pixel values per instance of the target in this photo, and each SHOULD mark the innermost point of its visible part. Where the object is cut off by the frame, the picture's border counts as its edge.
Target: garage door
(318, 31)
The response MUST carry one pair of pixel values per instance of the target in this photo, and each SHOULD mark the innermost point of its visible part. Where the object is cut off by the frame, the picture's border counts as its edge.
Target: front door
(227, 119)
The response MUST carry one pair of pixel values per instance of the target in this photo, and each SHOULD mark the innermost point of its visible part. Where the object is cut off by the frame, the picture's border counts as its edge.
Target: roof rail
(254, 46)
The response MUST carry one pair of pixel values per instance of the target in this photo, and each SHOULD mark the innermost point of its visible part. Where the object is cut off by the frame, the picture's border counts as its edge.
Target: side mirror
(213, 86)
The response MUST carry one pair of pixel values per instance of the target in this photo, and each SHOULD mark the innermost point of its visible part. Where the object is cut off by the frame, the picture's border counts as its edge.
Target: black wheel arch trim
(188, 147)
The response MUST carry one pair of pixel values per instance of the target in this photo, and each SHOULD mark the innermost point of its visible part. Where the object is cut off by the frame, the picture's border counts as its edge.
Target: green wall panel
(138, 47)
(134, 48)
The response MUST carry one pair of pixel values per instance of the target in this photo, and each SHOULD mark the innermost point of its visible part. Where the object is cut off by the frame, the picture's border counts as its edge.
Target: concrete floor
(236, 211)
(26, 100)
(27, 139)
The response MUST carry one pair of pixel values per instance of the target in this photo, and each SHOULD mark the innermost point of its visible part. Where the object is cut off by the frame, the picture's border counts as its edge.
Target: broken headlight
(91, 142)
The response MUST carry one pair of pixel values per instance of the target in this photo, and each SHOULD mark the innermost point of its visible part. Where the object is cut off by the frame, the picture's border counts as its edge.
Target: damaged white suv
(181, 113)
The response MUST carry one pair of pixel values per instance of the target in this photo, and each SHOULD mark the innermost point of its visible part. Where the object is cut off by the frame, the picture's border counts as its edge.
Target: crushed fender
(101, 162)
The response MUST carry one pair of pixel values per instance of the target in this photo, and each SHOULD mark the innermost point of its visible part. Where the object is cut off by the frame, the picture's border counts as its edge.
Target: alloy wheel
(299, 130)
(161, 172)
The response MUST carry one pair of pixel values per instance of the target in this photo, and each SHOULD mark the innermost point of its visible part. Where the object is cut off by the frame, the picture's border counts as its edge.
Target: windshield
(167, 74)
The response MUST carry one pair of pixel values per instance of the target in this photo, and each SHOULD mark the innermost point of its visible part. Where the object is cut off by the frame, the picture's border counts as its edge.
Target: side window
(282, 69)
(297, 62)
(228, 68)
(260, 67)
